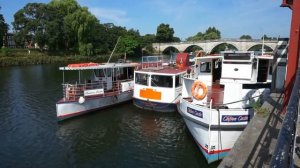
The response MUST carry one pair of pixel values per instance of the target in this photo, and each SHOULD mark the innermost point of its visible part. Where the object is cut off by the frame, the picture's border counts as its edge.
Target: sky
(187, 17)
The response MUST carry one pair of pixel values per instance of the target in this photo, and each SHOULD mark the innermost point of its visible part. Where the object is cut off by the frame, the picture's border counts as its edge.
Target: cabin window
(130, 72)
(205, 67)
(141, 79)
(100, 73)
(162, 81)
(178, 81)
(108, 72)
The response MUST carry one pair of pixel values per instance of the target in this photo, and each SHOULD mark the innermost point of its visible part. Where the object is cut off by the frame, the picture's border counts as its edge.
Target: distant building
(8, 40)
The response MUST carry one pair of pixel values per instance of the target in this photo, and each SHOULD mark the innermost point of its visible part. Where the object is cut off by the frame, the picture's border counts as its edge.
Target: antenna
(113, 50)
(263, 45)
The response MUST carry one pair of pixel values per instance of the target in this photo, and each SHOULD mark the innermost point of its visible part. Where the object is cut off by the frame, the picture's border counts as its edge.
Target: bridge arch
(258, 47)
(192, 48)
(169, 50)
(223, 47)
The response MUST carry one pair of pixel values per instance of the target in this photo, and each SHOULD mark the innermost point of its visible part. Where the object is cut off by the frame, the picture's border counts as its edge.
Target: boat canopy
(82, 66)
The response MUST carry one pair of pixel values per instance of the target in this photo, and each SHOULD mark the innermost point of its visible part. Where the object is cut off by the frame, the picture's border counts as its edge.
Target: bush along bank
(18, 57)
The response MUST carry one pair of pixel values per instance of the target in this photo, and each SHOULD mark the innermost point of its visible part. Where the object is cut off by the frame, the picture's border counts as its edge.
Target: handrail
(284, 150)
(74, 91)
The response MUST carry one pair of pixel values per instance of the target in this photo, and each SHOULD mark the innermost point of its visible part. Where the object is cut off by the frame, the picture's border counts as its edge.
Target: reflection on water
(122, 136)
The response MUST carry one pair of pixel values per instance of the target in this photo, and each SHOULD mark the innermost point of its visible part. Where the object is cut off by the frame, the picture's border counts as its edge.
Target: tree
(210, 34)
(28, 21)
(164, 33)
(79, 27)
(246, 37)
(3, 28)
(265, 37)
(128, 45)
(176, 39)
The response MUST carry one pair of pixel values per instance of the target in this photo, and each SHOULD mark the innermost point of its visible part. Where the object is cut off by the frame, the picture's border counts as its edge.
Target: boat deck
(214, 92)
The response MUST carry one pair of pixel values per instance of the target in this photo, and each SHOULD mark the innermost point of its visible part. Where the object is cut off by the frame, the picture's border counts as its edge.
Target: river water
(122, 136)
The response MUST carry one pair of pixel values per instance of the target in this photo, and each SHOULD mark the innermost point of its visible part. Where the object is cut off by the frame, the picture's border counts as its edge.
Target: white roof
(101, 66)
(209, 57)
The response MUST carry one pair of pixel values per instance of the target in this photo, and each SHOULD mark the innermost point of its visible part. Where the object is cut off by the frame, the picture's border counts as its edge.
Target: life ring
(195, 90)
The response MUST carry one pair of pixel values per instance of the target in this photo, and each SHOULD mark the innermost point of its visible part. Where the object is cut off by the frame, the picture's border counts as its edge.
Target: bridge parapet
(209, 45)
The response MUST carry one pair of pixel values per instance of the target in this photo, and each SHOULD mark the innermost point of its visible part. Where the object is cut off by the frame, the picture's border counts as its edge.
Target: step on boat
(217, 97)
(108, 84)
(157, 85)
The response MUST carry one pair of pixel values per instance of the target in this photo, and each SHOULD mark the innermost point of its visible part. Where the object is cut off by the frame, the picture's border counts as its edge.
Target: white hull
(67, 109)
(214, 131)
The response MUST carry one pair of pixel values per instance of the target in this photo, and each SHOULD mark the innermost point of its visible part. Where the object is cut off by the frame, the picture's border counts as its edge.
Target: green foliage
(265, 37)
(164, 33)
(6, 52)
(210, 34)
(86, 49)
(128, 45)
(246, 37)
(257, 107)
(3, 28)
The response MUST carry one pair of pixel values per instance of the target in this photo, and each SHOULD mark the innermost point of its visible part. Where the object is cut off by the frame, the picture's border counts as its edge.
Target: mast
(113, 50)
(263, 45)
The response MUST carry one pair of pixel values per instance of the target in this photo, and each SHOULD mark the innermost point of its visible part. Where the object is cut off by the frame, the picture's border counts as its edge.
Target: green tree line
(65, 26)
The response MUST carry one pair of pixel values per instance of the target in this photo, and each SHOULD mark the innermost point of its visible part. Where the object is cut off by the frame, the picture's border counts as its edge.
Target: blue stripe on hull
(213, 157)
(155, 106)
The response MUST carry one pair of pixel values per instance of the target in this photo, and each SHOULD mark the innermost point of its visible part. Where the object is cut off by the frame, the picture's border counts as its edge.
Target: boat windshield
(161, 81)
(141, 78)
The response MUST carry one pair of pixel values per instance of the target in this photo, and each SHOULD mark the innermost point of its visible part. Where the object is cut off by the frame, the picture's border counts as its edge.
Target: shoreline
(21, 57)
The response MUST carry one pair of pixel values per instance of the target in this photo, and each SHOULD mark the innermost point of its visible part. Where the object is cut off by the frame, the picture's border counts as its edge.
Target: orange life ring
(195, 90)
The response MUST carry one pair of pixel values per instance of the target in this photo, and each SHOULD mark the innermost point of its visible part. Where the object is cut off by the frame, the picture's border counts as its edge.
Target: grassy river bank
(20, 57)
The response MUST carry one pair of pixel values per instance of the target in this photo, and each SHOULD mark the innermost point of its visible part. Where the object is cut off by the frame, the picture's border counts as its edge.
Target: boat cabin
(157, 85)
(228, 77)
(98, 79)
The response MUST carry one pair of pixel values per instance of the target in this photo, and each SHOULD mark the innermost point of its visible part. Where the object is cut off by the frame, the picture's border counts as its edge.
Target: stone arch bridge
(209, 45)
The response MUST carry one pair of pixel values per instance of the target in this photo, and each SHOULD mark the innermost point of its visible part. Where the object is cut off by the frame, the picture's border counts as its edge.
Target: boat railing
(73, 91)
(152, 62)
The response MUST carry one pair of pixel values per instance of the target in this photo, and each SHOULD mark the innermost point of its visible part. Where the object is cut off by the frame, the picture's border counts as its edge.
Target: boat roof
(209, 57)
(163, 70)
(101, 66)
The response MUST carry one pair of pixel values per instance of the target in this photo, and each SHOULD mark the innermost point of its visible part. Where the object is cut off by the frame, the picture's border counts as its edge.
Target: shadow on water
(122, 136)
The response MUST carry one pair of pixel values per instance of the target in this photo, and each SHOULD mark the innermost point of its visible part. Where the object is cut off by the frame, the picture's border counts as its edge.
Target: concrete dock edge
(256, 144)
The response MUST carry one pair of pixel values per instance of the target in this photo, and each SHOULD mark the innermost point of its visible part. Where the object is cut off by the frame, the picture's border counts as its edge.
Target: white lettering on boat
(93, 92)
(235, 118)
(195, 112)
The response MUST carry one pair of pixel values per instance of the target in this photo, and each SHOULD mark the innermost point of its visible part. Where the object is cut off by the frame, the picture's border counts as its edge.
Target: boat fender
(81, 100)
(197, 85)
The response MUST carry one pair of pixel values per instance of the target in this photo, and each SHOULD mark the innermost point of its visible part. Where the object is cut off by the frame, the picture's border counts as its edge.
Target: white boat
(217, 96)
(157, 85)
(108, 85)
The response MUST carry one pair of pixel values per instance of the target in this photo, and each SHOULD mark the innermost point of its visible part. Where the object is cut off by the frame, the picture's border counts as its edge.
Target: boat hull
(215, 132)
(68, 109)
(155, 106)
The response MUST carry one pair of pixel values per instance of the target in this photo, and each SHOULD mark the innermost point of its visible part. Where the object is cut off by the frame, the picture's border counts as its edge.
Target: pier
(272, 138)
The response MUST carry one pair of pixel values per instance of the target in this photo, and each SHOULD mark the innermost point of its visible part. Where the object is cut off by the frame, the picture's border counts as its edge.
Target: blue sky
(232, 17)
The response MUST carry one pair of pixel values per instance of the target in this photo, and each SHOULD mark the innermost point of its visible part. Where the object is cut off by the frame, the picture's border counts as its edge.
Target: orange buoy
(195, 90)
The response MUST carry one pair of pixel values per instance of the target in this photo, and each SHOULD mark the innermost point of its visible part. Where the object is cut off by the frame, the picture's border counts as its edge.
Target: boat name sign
(93, 92)
(235, 118)
(195, 112)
